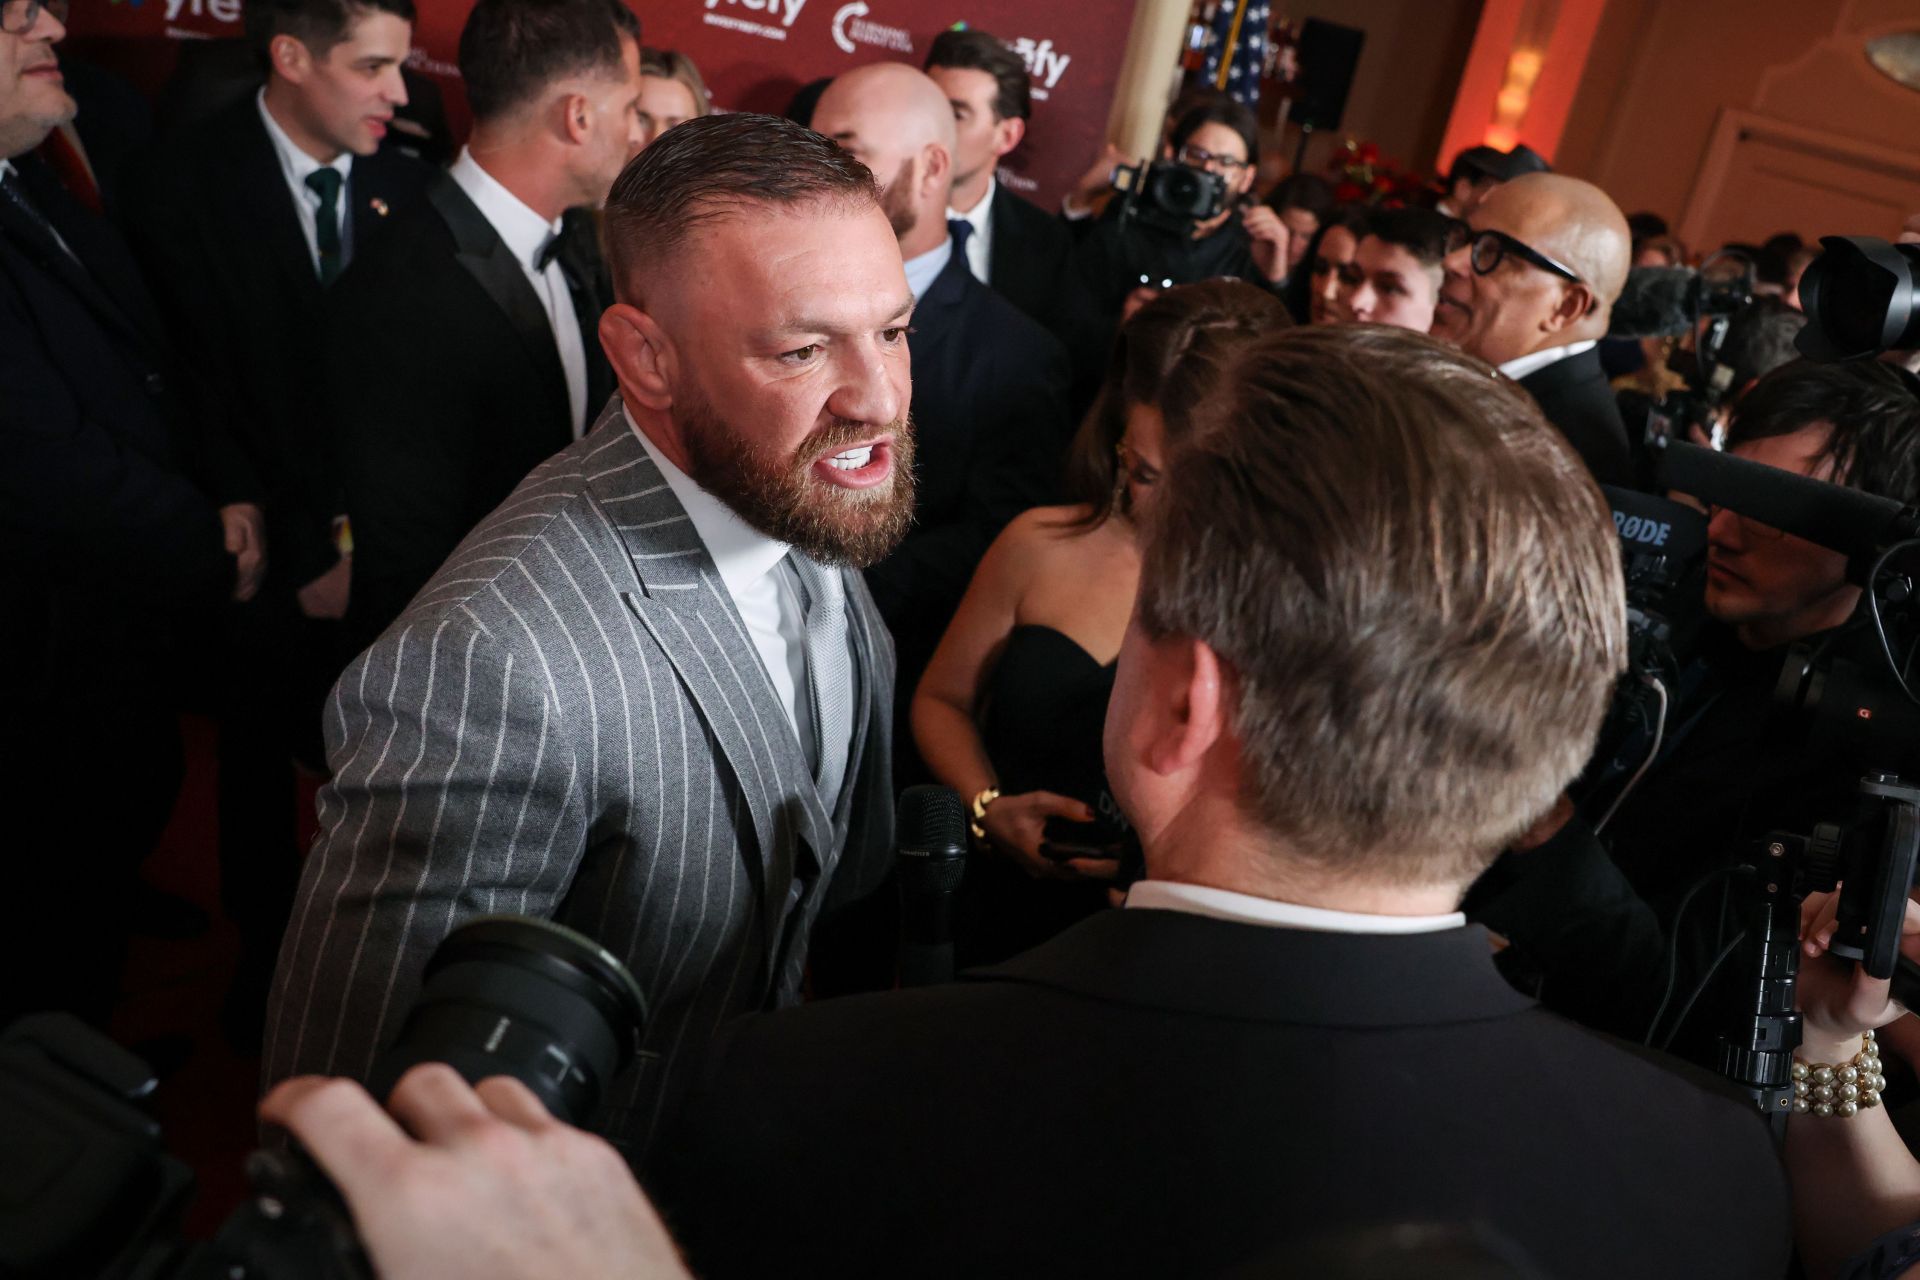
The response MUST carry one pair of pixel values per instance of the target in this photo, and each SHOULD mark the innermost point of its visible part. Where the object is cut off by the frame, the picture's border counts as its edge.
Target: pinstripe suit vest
(570, 721)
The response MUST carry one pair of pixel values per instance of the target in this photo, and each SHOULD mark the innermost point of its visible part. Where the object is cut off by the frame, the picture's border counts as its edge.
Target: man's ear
(936, 167)
(642, 358)
(576, 116)
(291, 58)
(1008, 134)
(1575, 304)
(1190, 688)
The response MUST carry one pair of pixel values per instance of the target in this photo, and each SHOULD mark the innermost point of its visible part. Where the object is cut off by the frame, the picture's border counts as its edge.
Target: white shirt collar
(1520, 366)
(6, 166)
(1243, 908)
(294, 162)
(925, 269)
(978, 214)
(526, 233)
(741, 553)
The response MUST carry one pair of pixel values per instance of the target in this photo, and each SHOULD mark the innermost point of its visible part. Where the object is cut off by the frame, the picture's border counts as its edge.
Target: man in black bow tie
(462, 349)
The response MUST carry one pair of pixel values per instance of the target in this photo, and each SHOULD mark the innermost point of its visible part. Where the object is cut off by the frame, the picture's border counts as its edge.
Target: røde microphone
(931, 841)
(1846, 520)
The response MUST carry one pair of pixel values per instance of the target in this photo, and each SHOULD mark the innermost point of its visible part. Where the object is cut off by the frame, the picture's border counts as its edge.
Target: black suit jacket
(1575, 396)
(990, 431)
(218, 233)
(444, 388)
(1031, 264)
(104, 541)
(1160, 1094)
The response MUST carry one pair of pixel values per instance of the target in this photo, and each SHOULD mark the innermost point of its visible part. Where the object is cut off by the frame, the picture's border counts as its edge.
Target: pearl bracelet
(1839, 1089)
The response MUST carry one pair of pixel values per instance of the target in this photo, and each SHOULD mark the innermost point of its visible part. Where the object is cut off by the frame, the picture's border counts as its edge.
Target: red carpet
(175, 988)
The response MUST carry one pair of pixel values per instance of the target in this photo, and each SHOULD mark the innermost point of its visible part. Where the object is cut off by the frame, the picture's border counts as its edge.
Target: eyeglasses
(17, 17)
(1201, 158)
(1490, 248)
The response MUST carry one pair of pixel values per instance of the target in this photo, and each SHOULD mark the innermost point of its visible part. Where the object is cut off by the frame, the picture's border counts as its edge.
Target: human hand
(1270, 240)
(1017, 826)
(1138, 297)
(326, 595)
(489, 1186)
(1095, 180)
(1838, 999)
(1910, 233)
(245, 527)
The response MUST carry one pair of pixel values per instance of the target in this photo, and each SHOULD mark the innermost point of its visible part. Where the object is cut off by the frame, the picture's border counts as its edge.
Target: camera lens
(1859, 296)
(513, 996)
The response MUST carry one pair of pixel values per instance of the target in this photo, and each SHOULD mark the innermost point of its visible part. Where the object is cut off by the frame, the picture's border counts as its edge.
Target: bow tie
(549, 251)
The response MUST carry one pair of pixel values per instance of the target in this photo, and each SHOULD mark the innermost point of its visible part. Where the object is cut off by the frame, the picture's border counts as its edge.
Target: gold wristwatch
(980, 803)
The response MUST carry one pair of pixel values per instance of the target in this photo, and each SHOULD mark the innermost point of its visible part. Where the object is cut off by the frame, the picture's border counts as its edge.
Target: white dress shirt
(1520, 366)
(1243, 908)
(526, 233)
(925, 269)
(980, 243)
(764, 586)
(295, 165)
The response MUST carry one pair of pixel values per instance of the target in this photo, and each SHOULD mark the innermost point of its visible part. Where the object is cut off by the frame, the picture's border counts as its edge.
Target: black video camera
(1847, 694)
(1668, 302)
(1169, 196)
(1859, 296)
(1663, 547)
(90, 1190)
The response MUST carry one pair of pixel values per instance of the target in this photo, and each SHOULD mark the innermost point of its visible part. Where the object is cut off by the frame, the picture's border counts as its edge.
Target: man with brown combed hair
(1380, 615)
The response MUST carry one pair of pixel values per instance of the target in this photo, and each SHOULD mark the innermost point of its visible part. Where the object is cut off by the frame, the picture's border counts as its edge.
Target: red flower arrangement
(1362, 176)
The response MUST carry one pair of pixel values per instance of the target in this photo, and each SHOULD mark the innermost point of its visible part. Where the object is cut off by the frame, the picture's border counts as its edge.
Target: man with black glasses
(1531, 280)
(1128, 260)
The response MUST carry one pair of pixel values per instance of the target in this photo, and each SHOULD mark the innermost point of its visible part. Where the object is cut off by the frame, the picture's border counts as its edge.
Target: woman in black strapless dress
(1011, 709)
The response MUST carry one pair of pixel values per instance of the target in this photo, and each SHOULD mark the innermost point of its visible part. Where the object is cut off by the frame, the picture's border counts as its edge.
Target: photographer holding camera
(1186, 219)
(482, 1183)
(1594, 919)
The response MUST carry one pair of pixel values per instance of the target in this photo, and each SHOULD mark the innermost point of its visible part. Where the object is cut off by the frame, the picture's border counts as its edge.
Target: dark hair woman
(1010, 710)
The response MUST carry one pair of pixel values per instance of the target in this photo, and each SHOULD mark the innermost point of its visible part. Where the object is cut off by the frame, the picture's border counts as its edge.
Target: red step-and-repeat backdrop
(753, 53)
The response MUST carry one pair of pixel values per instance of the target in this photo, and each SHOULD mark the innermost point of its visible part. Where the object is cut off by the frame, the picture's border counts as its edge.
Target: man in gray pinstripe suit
(648, 696)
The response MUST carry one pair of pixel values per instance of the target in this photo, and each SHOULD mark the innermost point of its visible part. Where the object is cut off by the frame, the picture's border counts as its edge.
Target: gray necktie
(829, 671)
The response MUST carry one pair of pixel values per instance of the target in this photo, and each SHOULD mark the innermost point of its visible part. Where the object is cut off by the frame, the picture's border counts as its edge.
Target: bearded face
(813, 498)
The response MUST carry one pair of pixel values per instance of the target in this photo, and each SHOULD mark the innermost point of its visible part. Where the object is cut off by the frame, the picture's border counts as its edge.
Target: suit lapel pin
(378, 205)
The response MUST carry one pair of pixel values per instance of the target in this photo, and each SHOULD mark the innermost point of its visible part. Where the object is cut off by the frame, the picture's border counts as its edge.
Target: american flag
(1237, 50)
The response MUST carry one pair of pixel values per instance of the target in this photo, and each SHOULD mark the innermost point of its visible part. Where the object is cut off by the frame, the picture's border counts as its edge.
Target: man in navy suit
(107, 552)
(989, 384)
(243, 220)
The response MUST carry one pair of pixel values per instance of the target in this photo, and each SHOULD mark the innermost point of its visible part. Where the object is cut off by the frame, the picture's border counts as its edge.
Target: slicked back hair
(977, 51)
(317, 24)
(511, 50)
(1414, 585)
(710, 167)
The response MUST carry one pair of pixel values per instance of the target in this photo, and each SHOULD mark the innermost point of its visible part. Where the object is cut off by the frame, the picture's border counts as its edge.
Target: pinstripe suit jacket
(570, 721)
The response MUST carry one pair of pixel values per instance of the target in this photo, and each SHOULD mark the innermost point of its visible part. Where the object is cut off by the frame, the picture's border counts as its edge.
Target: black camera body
(96, 1194)
(1169, 196)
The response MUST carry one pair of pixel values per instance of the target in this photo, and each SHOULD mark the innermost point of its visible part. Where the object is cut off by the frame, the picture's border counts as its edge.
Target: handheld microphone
(931, 855)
